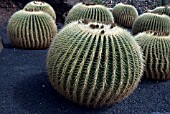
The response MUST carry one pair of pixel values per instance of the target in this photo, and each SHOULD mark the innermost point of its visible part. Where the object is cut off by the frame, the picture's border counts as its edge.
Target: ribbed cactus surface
(156, 50)
(93, 12)
(124, 14)
(151, 21)
(93, 64)
(31, 29)
(41, 6)
(161, 10)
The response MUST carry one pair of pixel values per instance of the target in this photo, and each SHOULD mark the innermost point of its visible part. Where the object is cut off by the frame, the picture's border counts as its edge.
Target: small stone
(1, 44)
(43, 86)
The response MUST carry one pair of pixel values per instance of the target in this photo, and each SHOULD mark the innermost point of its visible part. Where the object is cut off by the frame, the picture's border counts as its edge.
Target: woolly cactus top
(93, 12)
(40, 6)
(151, 21)
(38, 3)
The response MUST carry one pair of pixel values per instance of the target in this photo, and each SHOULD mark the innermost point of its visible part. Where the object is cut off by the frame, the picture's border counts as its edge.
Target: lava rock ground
(25, 89)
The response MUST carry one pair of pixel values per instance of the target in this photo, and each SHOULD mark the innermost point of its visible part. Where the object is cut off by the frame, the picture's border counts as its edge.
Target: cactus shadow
(36, 95)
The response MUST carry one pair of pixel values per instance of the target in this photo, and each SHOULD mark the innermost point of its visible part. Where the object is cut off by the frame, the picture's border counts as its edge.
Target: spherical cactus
(42, 6)
(151, 21)
(31, 29)
(156, 49)
(161, 10)
(93, 12)
(124, 14)
(94, 64)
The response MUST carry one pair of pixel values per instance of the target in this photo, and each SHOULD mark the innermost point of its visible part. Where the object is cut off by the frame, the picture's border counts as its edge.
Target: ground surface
(25, 89)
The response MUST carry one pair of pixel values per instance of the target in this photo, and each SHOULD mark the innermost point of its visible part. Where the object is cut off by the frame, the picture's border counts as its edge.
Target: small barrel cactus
(90, 11)
(156, 50)
(31, 29)
(151, 21)
(124, 14)
(94, 64)
(42, 6)
(161, 10)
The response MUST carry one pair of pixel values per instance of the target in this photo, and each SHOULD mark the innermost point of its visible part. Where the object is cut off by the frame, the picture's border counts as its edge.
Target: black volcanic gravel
(25, 89)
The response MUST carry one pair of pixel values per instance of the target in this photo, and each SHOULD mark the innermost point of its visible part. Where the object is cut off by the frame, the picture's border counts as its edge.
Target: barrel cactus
(151, 21)
(124, 14)
(42, 6)
(91, 11)
(94, 64)
(31, 29)
(161, 10)
(156, 49)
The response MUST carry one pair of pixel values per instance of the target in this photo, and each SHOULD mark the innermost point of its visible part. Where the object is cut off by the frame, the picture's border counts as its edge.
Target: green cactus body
(41, 6)
(31, 30)
(151, 21)
(93, 64)
(156, 50)
(93, 12)
(161, 10)
(124, 14)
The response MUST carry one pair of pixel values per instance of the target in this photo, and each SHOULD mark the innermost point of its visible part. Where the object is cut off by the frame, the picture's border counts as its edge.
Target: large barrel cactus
(151, 21)
(90, 11)
(156, 49)
(124, 14)
(161, 10)
(42, 6)
(31, 29)
(94, 64)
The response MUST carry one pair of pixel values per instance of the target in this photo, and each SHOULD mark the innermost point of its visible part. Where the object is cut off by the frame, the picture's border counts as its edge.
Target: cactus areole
(94, 64)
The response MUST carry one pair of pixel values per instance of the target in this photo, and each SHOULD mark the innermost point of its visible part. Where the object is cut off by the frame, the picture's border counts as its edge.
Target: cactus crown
(124, 14)
(40, 6)
(155, 46)
(93, 12)
(31, 29)
(89, 63)
(151, 21)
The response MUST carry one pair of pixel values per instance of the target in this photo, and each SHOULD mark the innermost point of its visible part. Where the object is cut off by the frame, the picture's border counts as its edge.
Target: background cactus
(151, 21)
(93, 12)
(124, 14)
(42, 6)
(156, 49)
(94, 64)
(31, 29)
(161, 10)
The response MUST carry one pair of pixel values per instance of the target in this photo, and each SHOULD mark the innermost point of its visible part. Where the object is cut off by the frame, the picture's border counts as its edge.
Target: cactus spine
(151, 21)
(94, 64)
(31, 29)
(124, 14)
(41, 6)
(93, 12)
(156, 49)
